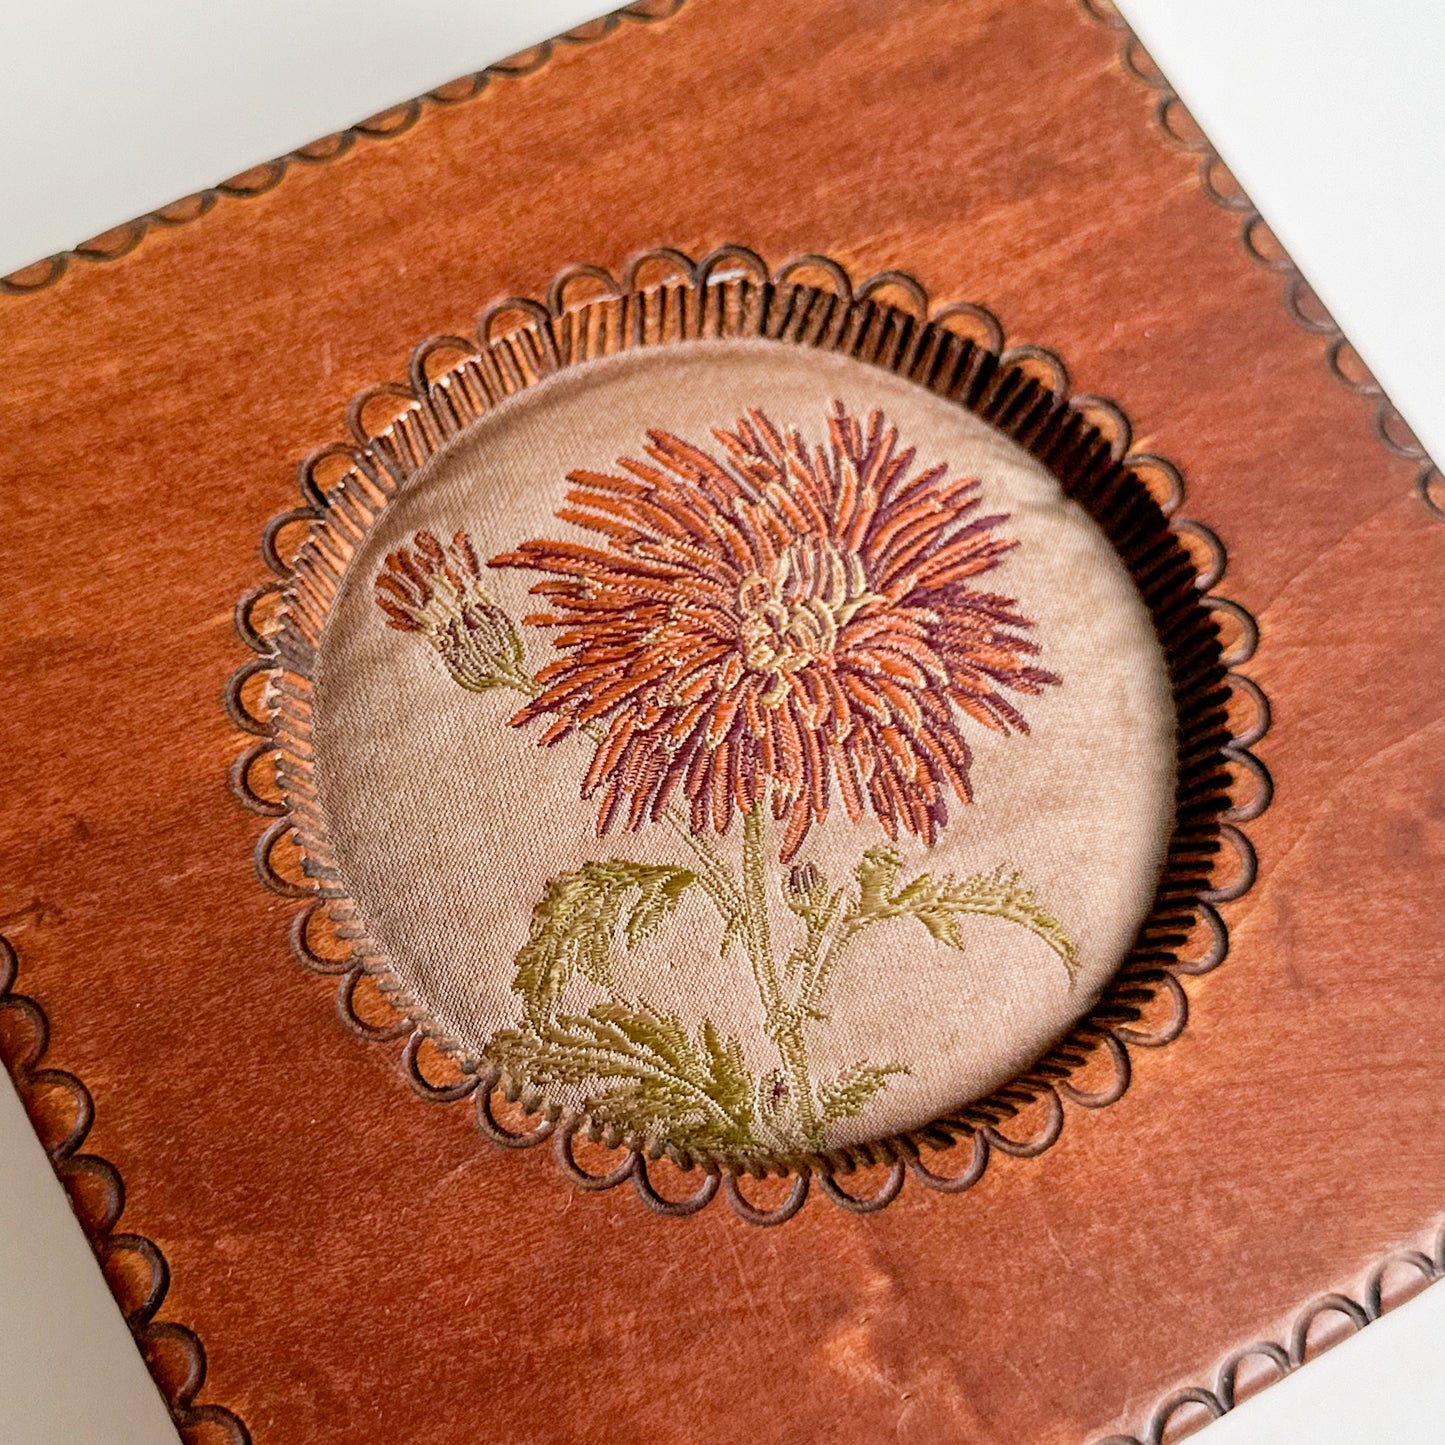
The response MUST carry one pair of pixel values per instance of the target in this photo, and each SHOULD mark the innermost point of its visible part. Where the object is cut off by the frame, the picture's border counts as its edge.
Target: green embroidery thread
(636, 1067)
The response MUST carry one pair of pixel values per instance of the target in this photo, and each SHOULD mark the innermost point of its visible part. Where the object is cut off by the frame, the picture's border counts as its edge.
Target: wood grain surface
(359, 1267)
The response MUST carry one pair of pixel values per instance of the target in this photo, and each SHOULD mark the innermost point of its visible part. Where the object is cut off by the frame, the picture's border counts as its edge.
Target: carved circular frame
(957, 351)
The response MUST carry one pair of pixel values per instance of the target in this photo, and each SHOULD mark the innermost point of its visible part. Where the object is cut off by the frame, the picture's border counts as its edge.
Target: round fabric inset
(743, 747)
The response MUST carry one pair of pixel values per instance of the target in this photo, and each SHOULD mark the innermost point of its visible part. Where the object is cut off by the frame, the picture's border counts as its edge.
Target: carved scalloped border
(1302, 305)
(958, 350)
(62, 1111)
(1218, 184)
(1263, 248)
(1189, 1408)
(121, 240)
(1186, 1410)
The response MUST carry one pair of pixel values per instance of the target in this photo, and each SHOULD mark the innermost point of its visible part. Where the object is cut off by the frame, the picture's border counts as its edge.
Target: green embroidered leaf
(580, 913)
(660, 890)
(940, 903)
(876, 875)
(854, 1089)
(643, 1072)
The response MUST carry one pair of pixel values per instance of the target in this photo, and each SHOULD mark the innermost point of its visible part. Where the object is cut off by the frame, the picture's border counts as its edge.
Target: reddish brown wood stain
(360, 1266)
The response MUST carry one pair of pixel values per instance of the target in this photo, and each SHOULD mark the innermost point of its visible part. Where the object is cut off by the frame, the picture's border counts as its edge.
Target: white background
(1329, 111)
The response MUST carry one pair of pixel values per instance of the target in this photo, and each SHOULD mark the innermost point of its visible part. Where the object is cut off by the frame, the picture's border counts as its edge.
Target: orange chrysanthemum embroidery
(760, 628)
(773, 621)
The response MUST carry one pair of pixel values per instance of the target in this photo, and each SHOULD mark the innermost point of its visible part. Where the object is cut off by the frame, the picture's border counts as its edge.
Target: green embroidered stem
(782, 1020)
(523, 682)
(744, 914)
(715, 875)
(936, 902)
(744, 911)
(817, 977)
(642, 1069)
(807, 894)
(755, 901)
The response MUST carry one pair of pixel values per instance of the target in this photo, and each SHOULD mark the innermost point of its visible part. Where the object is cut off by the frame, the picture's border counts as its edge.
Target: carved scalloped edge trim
(121, 240)
(1303, 307)
(1263, 248)
(957, 350)
(1185, 1410)
(62, 1111)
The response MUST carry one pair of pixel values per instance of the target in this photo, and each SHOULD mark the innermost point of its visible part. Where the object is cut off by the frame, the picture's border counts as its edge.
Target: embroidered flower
(437, 592)
(761, 626)
(771, 621)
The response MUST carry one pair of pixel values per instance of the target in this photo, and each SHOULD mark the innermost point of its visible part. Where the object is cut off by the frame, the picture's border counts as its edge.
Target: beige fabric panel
(448, 824)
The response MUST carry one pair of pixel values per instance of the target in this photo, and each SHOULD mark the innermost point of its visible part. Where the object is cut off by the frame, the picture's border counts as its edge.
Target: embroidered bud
(436, 591)
(804, 884)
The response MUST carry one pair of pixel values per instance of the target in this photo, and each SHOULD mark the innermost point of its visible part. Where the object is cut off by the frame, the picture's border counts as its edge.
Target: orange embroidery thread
(759, 628)
(777, 620)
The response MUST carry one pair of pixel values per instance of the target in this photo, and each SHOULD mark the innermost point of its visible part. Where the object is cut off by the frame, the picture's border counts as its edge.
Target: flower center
(794, 617)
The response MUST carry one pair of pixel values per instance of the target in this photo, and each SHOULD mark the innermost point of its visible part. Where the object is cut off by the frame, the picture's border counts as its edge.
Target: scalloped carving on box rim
(97, 1195)
(119, 241)
(1301, 302)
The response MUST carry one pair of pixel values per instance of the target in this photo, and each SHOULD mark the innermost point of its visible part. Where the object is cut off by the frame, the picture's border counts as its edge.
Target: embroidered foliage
(763, 631)
(853, 1090)
(642, 1073)
(574, 925)
(940, 904)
